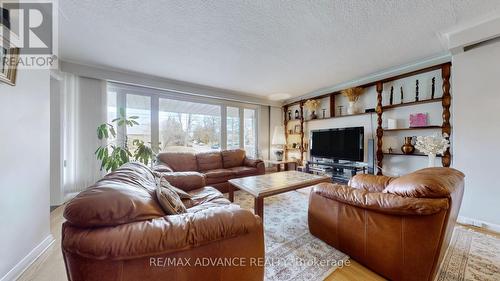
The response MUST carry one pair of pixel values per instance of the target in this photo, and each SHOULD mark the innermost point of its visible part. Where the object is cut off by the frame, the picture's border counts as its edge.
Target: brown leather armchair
(398, 227)
(116, 230)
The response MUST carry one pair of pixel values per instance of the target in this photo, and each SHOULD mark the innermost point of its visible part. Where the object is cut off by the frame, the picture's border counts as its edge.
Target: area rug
(472, 255)
(292, 253)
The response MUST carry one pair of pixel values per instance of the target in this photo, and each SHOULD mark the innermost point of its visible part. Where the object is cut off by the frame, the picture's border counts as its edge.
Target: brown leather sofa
(116, 230)
(217, 166)
(398, 227)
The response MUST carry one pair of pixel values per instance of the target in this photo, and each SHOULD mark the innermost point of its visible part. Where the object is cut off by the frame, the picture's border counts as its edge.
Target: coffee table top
(275, 183)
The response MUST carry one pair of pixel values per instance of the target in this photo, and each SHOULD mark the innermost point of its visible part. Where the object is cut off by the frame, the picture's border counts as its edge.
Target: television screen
(339, 144)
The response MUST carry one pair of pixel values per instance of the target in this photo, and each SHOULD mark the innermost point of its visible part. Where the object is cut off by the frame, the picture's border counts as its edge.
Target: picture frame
(297, 129)
(9, 57)
(418, 120)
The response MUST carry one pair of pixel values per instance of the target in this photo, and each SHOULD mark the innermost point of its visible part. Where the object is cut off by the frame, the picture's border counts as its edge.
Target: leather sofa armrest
(160, 236)
(369, 182)
(380, 202)
(162, 168)
(255, 163)
(186, 181)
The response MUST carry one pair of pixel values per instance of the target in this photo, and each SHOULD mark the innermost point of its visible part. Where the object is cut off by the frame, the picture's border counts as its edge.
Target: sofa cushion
(233, 158)
(209, 161)
(169, 199)
(179, 161)
(218, 173)
(427, 183)
(244, 171)
(205, 197)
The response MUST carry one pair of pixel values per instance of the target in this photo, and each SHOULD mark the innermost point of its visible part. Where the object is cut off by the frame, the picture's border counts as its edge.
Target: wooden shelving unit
(413, 128)
(299, 121)
(402, 154)
(445, 102)
(341, 116)
(387, 107)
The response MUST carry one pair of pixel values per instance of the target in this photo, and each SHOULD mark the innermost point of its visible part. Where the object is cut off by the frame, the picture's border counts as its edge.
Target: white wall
(24, 168)
(476, 101)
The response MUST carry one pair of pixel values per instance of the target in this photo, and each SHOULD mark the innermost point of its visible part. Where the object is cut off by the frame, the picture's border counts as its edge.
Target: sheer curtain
(84, 109)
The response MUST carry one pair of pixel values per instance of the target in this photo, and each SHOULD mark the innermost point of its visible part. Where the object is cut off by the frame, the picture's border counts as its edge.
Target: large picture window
(189, 126)
(169, 122)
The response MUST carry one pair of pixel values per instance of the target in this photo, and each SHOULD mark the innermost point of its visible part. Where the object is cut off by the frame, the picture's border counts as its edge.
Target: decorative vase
(351, 109)
(408, 147)
(279, 155)
(432, 160)
(313, 115)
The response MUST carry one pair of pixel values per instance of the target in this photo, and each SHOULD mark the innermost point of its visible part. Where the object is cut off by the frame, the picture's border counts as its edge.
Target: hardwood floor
(50, 265)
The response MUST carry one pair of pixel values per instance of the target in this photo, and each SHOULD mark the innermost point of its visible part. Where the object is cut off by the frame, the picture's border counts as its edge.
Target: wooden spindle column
(380, 131)
(446, 127)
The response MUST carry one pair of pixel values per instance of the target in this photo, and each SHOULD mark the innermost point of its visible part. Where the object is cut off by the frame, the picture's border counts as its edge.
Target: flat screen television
(339, 144)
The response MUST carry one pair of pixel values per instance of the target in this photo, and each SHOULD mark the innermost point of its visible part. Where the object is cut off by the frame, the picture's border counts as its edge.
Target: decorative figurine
(324, 113)
(433, 90)
(390, 149)
(416, 91)
(391, 99)
(402, 97)
(289, 115)
(297, 114)
(340, 109)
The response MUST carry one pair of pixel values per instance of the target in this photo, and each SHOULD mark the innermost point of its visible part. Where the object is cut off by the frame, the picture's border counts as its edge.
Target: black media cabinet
(340, 172)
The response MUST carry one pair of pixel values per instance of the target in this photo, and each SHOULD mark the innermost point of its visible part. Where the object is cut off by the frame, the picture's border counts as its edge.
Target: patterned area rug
(292, 253)
(472, 256)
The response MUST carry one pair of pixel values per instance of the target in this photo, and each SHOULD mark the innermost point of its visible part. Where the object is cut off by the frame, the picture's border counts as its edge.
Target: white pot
(351, 109)
(432, 160)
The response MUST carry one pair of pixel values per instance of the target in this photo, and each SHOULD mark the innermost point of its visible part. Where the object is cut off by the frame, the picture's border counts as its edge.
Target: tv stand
(340, 172)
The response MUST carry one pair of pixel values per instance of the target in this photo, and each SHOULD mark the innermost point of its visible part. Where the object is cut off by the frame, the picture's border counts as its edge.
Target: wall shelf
(341, 116)
(386, 107)
(413, 128)
(444, 102)
(402, 154)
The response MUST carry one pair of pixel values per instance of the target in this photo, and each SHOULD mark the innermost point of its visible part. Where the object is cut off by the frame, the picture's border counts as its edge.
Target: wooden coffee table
(263, 186)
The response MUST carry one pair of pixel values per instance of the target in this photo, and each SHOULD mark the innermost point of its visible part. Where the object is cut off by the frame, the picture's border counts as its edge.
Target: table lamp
(279, 141)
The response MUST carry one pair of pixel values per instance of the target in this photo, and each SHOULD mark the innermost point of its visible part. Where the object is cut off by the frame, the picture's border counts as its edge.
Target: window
(112, 111)
(233, 127)
(140, 106)
(250, 132)
(169, 123)
(189, 126)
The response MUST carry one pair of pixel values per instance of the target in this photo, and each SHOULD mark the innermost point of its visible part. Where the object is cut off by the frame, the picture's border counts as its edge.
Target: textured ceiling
(260, 47)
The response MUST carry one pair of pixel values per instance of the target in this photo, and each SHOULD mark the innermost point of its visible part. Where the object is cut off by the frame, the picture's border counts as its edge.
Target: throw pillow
(182, 194)
(169, 200)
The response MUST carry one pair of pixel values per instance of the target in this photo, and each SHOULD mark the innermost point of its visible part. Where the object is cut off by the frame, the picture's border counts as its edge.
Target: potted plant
(112, 155)
(432, 146)
(352, 94)
(311, 106)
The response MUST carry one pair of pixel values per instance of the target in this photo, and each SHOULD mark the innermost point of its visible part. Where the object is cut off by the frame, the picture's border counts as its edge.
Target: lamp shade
(279, 136)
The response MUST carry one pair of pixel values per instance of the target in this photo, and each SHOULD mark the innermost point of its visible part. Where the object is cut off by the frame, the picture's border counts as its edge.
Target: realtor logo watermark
(30, 26)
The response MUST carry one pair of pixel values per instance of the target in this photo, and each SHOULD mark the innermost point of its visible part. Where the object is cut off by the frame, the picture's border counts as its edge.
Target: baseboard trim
(479, 223)
(22, 265)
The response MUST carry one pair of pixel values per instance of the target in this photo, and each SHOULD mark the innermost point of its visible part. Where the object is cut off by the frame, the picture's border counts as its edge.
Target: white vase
(432, 160)
(351, 109)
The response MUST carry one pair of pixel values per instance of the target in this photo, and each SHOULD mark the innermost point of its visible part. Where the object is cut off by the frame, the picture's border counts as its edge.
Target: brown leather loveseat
(116, 230)
(398, 227)
(217, 166)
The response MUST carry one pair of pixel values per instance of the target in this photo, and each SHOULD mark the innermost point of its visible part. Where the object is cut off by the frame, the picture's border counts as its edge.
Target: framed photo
(9, 57)
(418, 120)
(297, 129)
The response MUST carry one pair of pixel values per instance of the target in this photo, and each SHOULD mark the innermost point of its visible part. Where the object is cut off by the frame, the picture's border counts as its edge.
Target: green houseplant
(112, 155)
